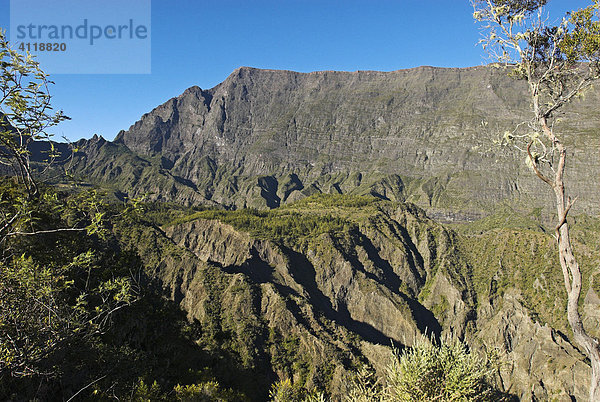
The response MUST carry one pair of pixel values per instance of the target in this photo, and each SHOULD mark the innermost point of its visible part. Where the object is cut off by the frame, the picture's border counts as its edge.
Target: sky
(200, 42)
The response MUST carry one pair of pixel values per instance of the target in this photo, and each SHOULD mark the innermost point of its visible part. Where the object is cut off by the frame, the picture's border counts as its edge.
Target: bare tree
(559, 61)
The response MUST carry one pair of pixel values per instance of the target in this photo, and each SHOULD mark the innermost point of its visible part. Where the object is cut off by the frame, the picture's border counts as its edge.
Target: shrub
(429, 372)
(444, 372)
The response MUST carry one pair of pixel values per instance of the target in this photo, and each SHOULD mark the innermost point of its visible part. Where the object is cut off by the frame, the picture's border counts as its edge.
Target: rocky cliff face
(263, 138)
(340, 279)
(539, 363)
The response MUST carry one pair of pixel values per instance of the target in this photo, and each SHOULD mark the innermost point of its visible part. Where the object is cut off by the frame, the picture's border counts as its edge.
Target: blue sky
(200, 42)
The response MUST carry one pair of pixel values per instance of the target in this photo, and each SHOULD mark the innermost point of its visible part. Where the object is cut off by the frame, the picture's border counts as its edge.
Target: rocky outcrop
(117, 168)
(325, 276)
(536, 361)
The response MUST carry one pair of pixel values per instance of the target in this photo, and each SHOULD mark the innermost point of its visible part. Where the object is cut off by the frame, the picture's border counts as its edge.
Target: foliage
(42, 310)
(144, 392)
(47, 213)
(25, 118)
(58, 290)
(285, 226)
(77, 309)
(429, 372)
(558, 62)
(285, 391)
(209, 391)
(446, 372)
(25, 112)
(365, 387)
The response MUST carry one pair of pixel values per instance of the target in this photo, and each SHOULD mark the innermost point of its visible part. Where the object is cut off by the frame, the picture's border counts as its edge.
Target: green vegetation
(286, 225)
(79, 315)
(429, 372)
(446, 372)
(25, 114)
(509, 251)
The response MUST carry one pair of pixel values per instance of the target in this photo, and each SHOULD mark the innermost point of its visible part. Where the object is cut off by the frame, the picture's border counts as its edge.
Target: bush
(446, 372)
(430, 372)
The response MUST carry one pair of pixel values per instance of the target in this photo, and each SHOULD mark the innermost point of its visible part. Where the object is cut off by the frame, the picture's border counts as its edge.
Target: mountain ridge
(429, 130)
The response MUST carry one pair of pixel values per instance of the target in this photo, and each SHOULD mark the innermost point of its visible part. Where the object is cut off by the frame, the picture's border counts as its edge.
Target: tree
(60, 280)
(559, 63)
(25, 116)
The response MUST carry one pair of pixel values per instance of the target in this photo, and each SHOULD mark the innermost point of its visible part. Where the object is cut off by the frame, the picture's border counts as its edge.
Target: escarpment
(264, 138)
(342, 279)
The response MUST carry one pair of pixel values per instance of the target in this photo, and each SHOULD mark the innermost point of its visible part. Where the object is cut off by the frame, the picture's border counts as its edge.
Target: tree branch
(535, 168)
(45, 231)
(10, 222)
(87, 386)
(563, 219)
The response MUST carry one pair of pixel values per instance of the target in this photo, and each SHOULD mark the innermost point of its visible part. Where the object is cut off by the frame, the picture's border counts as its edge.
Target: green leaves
(429, 372)
(446, 372)
(25, 111)
(57, 289)
(558, 61)
(582, 42)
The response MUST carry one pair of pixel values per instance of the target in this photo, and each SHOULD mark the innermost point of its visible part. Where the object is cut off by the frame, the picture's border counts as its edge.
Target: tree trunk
(572, 278)
(595, 384)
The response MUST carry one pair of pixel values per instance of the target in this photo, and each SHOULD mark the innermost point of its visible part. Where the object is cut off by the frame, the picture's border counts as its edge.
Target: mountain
(339, 212)
(263, 138)
(314, 289)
